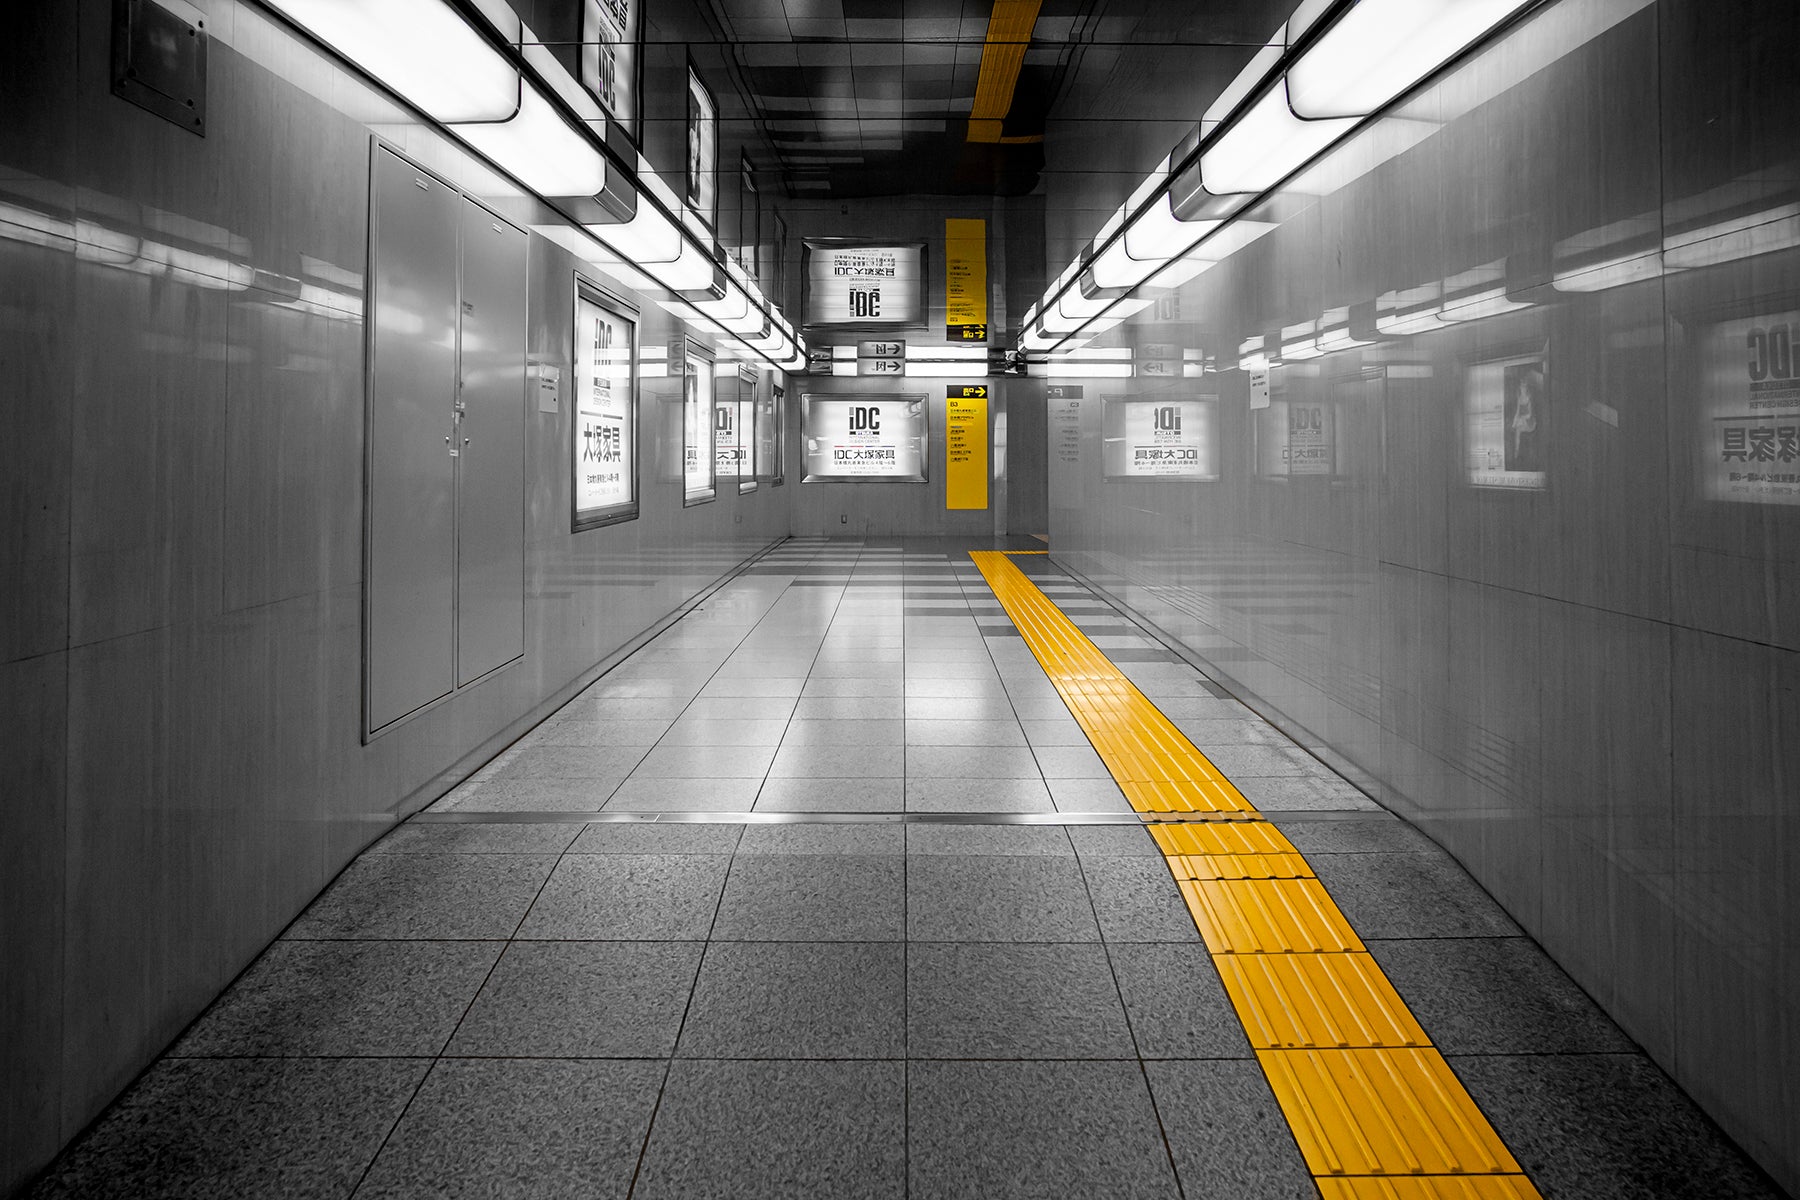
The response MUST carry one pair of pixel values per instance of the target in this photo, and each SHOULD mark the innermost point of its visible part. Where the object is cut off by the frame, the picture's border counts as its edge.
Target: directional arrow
(974, 391)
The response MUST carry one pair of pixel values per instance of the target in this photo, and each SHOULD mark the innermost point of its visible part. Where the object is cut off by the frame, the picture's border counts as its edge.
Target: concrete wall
(1588, 690)
(181, 538)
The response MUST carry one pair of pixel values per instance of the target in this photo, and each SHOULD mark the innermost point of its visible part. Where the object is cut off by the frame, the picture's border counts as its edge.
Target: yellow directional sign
(966, 447)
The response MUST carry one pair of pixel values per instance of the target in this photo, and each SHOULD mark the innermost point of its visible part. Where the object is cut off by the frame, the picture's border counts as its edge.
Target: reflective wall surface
(1523, 557)
(182, 366)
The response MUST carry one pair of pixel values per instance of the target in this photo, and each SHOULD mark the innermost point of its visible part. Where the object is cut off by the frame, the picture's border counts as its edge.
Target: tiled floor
(630, 959)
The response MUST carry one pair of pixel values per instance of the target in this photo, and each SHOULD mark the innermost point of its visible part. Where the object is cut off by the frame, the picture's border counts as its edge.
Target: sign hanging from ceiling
(965, 280)
(864, 283)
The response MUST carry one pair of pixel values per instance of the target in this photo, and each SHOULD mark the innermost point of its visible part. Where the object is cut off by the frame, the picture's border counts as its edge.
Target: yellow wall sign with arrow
(966, 446)
(965, 280)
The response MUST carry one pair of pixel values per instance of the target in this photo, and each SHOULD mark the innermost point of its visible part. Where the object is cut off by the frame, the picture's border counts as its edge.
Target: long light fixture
(501, 90)
(1378, 50)
(422, 50)
(539, 148)
(1266, 144)
(1327, 70)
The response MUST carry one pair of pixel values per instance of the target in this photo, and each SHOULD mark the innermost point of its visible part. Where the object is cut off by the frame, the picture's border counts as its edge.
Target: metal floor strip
(604, 817)
(1375, 1108)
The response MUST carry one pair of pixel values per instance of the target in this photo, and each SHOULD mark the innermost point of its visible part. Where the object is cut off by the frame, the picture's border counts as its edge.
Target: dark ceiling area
(875, 97)
(859, 98)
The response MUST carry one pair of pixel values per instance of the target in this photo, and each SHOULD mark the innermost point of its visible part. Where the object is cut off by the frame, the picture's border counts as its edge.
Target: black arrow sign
(972, 391)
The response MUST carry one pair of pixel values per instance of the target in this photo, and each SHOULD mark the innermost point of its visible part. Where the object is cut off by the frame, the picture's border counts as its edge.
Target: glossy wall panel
(182, 335)
(1539, 603)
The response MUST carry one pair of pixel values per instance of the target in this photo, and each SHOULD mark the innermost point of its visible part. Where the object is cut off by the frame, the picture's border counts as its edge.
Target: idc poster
(857, 283)
(1165, 437)
(604, 472)
(875, 436)
(1748, 445)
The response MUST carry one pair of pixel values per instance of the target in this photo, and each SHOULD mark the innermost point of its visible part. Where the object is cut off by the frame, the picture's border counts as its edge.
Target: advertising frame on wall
(734, 428)
(612, 60)
(1161, 437)
(842, 445)
(702, 191)
(772, 453)
(854, 282)
(1745, 424)
(603, 410)
(1505, 419)
(699, 479)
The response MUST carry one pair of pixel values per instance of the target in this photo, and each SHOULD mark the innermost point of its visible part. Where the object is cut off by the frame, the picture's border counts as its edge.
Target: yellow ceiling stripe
(1002, 54)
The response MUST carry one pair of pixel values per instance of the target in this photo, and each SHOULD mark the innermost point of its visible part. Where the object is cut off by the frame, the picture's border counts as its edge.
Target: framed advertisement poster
(703, 151)
(1160, 437)
(697, 453)
(749, 219)
(771, 424)
(874, 436)
(603, 414)
(851, 282)
(610, 38)
(1505, 407)
(1747, 446)
(1296, 437)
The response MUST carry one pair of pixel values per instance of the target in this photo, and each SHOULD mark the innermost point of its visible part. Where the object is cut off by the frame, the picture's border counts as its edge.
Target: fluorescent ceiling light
(1252, 356)
(1245, 83)
(422, 50)
(540, 148)
(1266, 144)
(1409, 310)
(1743, 237)
(944, 370)
(946, 352)
(1077, 370)
(1490, 303)
(1380, 49)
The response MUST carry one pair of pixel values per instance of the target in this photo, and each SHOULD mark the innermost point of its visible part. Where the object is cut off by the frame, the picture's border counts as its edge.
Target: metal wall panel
(411, 538)
(490, 530)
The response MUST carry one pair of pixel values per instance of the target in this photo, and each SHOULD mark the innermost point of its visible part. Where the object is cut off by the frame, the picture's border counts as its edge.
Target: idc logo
(1771, 353)
(1166, 419)
(865, 419)
(865, 302)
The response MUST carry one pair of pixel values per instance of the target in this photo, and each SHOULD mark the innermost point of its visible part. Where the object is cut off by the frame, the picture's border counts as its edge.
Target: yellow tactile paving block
(1187, 795)
(1267, 916)
(1427, 1187)
(1383, 1112)
(1239, 866)
(1246, 837)
(1317, 1001)
(1376, 1110)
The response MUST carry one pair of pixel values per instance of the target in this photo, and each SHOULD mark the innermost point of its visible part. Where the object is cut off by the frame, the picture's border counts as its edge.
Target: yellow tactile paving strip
(1376, 1110)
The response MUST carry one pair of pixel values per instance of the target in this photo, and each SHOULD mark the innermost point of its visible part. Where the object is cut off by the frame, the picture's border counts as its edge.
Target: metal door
(410, 542)
(490, 576)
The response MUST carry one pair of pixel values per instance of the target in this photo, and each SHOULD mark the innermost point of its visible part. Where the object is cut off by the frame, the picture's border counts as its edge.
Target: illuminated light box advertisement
(1748, 443)
(697, 431)
(604, 414)
(703, 151)
(864, 283)
(1165, 437)
(1505, 403)
(877, 436)
(1296, 438)
(726, 453)
(609, 58)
